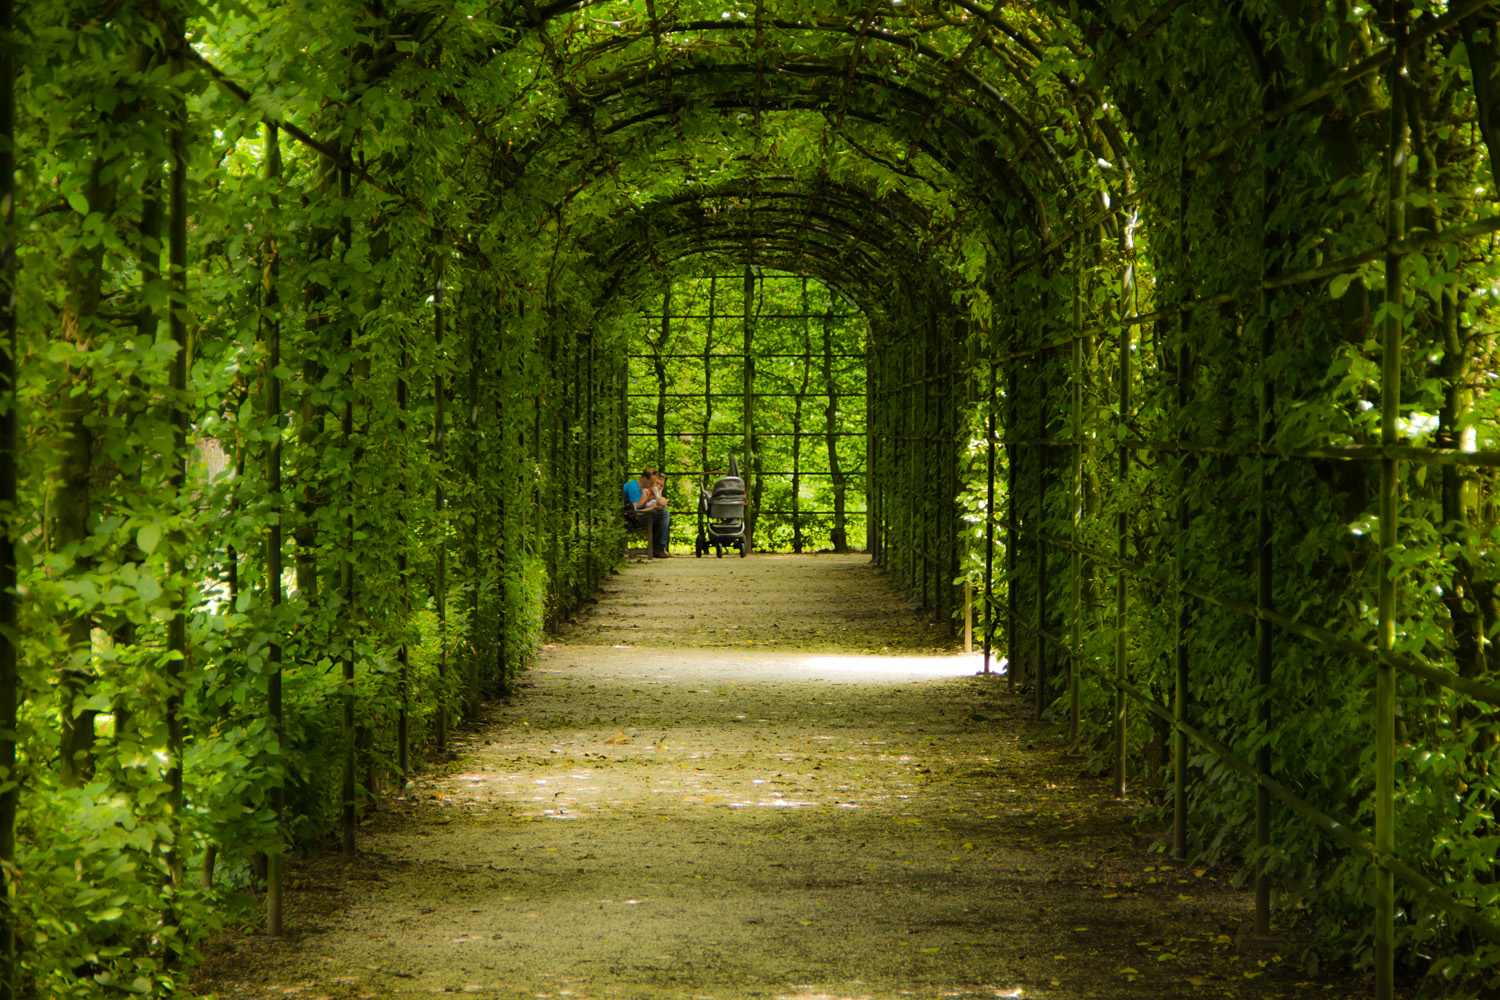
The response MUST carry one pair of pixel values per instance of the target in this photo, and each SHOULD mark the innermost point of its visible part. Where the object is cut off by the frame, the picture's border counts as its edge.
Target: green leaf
(148, 538)
(148, 588)
(1339, 285)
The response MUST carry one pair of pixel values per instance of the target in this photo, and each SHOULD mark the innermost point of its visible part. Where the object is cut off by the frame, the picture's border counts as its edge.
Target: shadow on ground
(758, 778)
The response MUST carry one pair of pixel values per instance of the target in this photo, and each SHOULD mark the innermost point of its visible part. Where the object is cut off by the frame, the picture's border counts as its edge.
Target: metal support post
(1122, 540)
(1390, 408)
(1180, 678)
(1075, 662)
(1039, 691)
(1010, 534)
(989, 522)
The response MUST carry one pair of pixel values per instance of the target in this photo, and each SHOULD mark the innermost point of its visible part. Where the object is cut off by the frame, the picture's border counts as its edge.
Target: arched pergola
(1181, 352)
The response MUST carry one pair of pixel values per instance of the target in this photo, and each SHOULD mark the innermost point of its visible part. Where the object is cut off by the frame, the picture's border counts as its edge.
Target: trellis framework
(794, 415)
(1134, 354)
(1177, 356)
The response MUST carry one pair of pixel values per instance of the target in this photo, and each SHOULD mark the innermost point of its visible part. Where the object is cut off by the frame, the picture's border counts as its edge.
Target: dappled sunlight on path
(750, 818)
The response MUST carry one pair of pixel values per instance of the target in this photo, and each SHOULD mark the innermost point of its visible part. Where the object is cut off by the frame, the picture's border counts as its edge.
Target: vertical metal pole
(708, 383)
(1122, 539)
(971, 396)
(471, 447)
(1265, 591)
(177, 640)
(800, 404)
(989, 520)
(591, 454)
(748, 400)
(403, 575)
(914, 357)
(578, 348)
(840, 534)
(913, 469)
(945, 567)
(921, 455)
(540, 508)
(1010, 532)
(942, 492)
(880, 484)
(659, 363)
(346, 696)
(624, 413)
(932, 464)
(439, 499)
(9, 434)
(275, 419)
(1390, 408)
(1075, 662)
(1043, 456)
(874, 456)
(1180, 680)
(908, 435)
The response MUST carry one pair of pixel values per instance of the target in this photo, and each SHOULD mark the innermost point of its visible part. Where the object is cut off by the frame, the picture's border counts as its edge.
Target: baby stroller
(721, 514)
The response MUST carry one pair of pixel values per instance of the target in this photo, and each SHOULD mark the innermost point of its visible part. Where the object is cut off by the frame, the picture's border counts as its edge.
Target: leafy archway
(318, 332)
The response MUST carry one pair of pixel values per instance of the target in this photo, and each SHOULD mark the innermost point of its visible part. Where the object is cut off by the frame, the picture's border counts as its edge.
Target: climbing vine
(324, 316)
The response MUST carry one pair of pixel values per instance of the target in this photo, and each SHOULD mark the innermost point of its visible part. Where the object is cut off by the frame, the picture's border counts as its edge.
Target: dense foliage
(324, 316)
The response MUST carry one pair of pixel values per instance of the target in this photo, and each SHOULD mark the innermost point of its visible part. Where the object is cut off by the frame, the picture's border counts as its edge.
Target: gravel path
(757, 778)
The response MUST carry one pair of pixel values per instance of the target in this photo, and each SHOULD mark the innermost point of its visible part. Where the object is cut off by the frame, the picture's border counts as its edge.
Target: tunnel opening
(770, 368)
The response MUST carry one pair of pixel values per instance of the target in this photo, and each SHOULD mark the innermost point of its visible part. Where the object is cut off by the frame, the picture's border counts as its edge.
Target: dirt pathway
(757, 778)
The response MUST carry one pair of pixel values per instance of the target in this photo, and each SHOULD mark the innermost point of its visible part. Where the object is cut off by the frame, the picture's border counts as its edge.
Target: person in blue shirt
(643, 500)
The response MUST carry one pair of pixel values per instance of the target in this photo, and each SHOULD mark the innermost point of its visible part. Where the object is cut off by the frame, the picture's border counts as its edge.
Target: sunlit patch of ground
(687, 800)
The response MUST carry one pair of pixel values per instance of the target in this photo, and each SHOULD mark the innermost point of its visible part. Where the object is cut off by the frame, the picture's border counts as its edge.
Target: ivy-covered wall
(1242, 337)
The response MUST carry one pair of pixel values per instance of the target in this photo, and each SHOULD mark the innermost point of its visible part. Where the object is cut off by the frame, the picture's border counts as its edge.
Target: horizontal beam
(672, 316)
(1477, 689)
(1397, 248)
(719, 472)
(1345, 453)
(740, 395)
(1484, 459)
(740, 434)
(741, 354)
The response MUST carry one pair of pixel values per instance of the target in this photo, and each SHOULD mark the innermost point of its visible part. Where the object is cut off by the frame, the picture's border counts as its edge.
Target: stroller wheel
(719, 551)
(744, 544)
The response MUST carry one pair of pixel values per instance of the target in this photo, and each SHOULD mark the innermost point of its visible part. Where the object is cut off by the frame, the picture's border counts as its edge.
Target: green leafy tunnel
(1178, 359)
